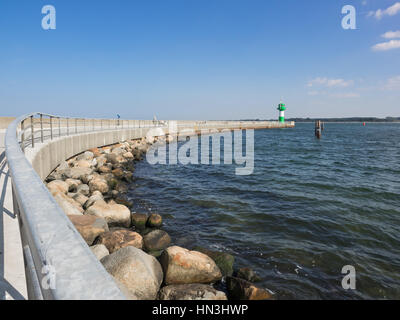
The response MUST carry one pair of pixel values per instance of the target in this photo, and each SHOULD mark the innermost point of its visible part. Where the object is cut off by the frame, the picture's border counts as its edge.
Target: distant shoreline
(340, 120)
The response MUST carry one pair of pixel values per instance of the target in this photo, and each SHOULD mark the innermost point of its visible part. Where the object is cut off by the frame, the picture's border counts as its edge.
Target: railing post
(51, 127)
(76, 125)
(84, 125)
(67, 127)
(41, 128)
(93, 124)
(59, 126)
(23, 135)
(32, 133)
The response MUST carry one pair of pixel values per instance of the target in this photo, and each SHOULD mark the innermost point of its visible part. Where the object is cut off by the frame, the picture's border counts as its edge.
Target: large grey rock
(156, 240)
(100, 251)
(182, 266)
(117, 239)
(139, 272)
(96, 196)
(139, 220)
(63, 165)
(87, 155)
(73, 184)
(98, 184)
(76, 172)
(83, 189)
(58, 186)
(193, 291)
(223, 260)
(69, 206)
(116, 215)
(90, 227)
(82, 164)
(78, 197)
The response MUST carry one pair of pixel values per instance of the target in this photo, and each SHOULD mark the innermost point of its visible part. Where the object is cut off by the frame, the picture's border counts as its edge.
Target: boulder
(115, 240)
(119, 151)
(128, 155)
(118, 173)
(120, 186)
(82, 164)
(86, 178)
(112, 158)
(239, 289)
(83, 189)
(139, 272)
(156, 240)
(76, 172)
(62, 166)
(182, 266)
(194, 291)
(98, 184)
(80, 198)
(90, 227)
(104, 169)
(223, 260)
(68, 205)
(96, 152)
(73, 184)
(56, 186)
(115, 214)
(96, 196)
(100, 251)
(87, 155)
(247, 274)
(154, 220)
(139, 220)
(121, 199)
(101, 161)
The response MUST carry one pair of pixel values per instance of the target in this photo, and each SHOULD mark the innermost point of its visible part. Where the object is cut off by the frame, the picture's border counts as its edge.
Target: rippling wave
(311, 207)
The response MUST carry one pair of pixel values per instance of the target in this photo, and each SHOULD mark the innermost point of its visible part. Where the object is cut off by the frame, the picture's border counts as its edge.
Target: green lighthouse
(281, 108)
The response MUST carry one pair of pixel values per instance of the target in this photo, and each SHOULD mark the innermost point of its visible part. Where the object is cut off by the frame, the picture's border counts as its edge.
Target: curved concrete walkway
(12, 270)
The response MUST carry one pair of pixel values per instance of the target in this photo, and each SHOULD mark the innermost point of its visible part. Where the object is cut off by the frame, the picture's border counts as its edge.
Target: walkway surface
(12, 272)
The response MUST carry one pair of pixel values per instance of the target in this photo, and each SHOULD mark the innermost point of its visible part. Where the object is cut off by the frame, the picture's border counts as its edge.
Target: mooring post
(318, 130)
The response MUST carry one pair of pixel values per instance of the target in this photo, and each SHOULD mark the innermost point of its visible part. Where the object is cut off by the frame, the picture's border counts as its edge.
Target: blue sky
(200, 59)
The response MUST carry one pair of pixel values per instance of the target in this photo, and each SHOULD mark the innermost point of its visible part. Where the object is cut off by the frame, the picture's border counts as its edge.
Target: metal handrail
(53, 249)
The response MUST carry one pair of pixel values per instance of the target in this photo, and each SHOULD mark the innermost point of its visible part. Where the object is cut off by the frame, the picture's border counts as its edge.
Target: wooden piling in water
(318, 129)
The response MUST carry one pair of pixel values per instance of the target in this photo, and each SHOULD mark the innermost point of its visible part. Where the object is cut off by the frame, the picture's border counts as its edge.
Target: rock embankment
(91, 188)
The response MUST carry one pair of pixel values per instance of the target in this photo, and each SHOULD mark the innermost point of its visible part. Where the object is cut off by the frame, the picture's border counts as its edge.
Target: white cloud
(392, 83)
(389, 45)
(391, 34)
(391, 11)
(330, 82)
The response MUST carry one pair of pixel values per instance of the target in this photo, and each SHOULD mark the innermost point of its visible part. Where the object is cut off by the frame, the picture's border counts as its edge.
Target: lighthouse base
(282, 119)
